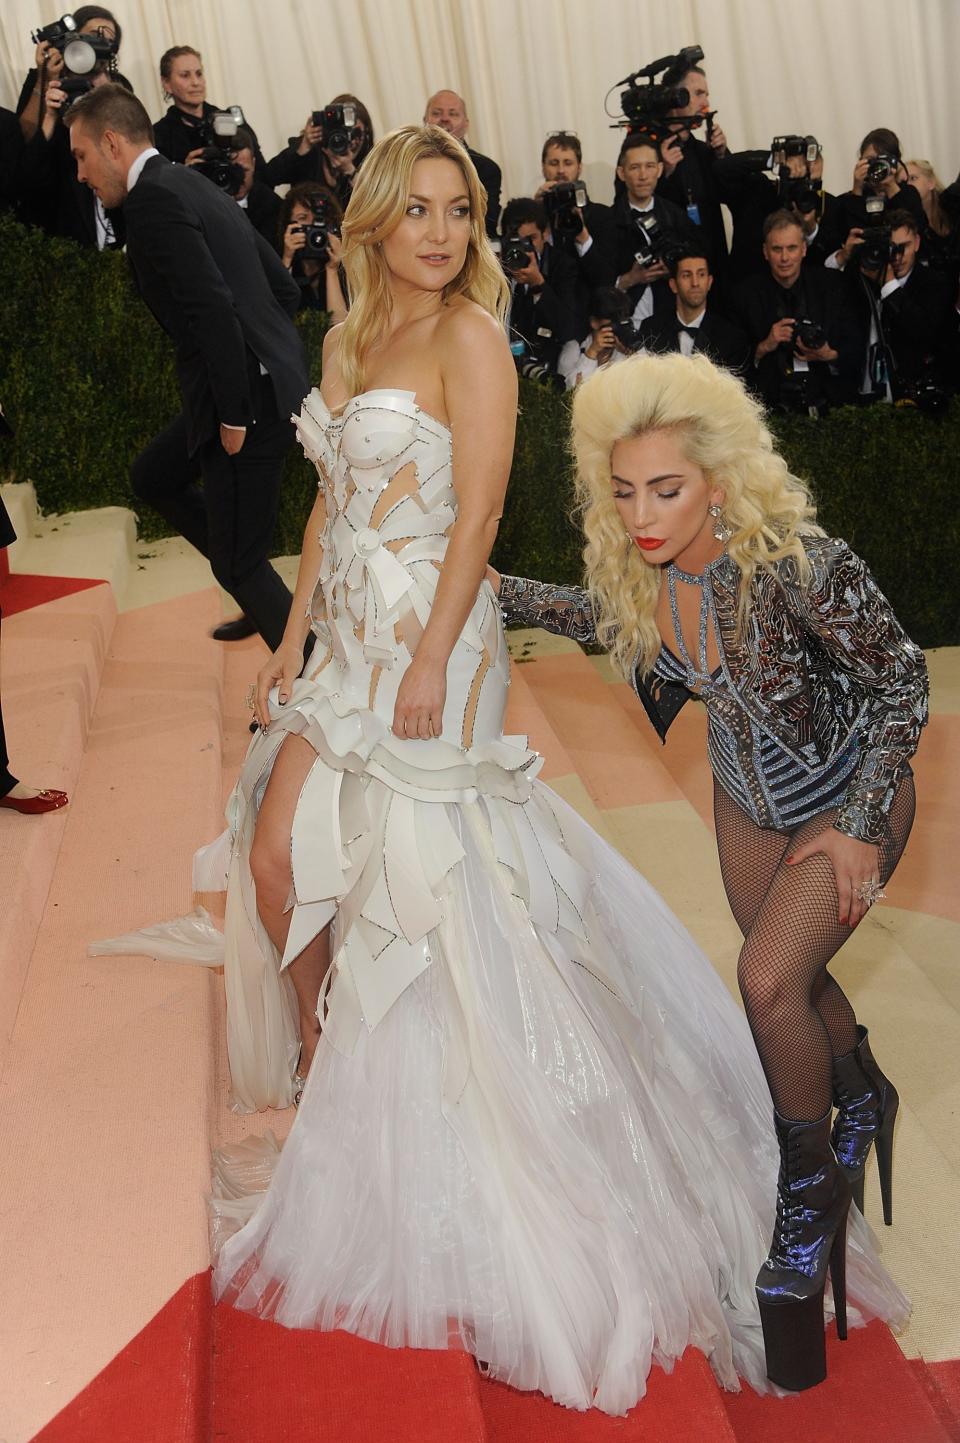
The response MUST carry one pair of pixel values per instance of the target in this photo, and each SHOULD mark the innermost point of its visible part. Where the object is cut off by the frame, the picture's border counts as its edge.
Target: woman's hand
(334, 252)
(853, 864)
(420, 699)
(280, 671)
(45, 55)
(294, 239)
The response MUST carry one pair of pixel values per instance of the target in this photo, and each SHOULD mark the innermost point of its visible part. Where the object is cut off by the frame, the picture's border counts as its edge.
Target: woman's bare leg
(270, 865)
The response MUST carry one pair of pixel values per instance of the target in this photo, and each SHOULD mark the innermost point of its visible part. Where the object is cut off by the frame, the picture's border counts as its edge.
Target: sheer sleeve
(564, 610)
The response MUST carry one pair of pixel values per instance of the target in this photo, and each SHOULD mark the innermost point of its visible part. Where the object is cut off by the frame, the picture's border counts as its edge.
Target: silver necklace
(695, 677)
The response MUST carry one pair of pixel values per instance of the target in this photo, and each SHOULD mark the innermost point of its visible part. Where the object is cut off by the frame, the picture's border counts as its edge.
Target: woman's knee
(765, 988)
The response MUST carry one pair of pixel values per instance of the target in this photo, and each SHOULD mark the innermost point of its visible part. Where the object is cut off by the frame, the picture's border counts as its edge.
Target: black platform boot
(866, 1103)
(813, 1199)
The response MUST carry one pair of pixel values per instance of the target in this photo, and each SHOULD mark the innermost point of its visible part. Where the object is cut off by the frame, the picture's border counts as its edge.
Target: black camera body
(316, 247)
(73, 86)
(562, 203)
(874, 254)
(654, 241)
(809, 333)
(217, 135)
(646, 106)
(517, 251)
(81, 53)
(925, 395)
(339, 126)
(801, 192)
(880, 168)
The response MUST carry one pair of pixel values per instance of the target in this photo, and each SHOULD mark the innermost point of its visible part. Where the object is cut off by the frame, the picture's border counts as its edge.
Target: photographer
(51, 196)
(261, 204)
(906, 315)
(449, 110)
(187, 126)
(329, 150)
(797, 185)
(695, 327)
(314, 261)
(690, 179)
(800, 325)
(586, 231)
(611, 338)
(543, 285)
(639, 167)
(879, 185)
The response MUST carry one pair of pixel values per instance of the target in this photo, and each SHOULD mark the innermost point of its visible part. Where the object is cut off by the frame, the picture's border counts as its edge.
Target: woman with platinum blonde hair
(527, 1127)
(707, 577)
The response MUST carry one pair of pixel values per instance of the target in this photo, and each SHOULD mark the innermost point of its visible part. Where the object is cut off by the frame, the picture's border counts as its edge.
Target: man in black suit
(690, 178)
(592, 242)
(694, 327)
(449, 110)
(226, 301)
(797, 368)
(751, 195)
(544, 298)
(639, 167)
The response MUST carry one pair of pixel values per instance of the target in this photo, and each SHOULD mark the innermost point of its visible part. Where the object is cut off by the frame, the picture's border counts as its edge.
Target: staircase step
(106, 1092)
(100, 543)
(53, 659)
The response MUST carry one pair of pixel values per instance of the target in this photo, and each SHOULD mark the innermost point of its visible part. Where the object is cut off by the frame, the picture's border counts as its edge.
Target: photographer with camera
(648, 230)
(449, 110)
(800, 324)
(611, 337)
(787, 176)
(690, 177)
(75, 55)
(694, 326)
(543, 313)
(310, 248)
(879, 185)
(233, 169)
(329, 150)
(188, 126)
(583, 227)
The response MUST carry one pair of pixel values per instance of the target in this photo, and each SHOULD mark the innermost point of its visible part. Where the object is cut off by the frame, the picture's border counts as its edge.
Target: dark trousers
(231, 516)
(7, 780)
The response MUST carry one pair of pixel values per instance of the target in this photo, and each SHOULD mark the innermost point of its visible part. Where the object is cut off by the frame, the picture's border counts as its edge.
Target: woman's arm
(564, 610)
(855, 625)
(336, 301)
(480, 392)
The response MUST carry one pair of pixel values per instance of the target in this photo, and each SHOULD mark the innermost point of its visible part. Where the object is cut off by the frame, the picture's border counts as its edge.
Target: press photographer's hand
(310, 136)
(779, 334)
(602, 344)
(531, 275)
(294, 239)
(639, 275)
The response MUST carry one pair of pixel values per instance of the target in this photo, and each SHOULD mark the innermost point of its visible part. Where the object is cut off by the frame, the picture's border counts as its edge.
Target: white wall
(833, 67)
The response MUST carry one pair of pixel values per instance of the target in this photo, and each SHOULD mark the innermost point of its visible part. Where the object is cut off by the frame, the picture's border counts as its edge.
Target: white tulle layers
(555, 1146)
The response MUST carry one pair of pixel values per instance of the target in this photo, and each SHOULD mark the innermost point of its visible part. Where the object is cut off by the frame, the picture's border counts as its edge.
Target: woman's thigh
(270, 852)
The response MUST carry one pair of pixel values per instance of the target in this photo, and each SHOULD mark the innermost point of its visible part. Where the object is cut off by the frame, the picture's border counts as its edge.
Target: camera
(924, 395)
(646, 106)
(654, 241)
(880, 168)
(339, 126)
(561, 204)
(316, 247)
(809, 333)
(81, 53)
(516, 252)
(217, 134)
(73, 86)
(613, 307)
(875, 251)
(799, 191)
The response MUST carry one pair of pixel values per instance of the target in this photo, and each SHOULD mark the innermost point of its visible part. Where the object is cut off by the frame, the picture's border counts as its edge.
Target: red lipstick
(648, 543)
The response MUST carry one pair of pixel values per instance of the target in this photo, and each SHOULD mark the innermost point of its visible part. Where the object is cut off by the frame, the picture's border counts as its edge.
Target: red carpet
(21, 592)
(197, 1373)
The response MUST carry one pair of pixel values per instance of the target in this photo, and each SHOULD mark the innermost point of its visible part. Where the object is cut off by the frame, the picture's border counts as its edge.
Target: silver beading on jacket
(821, 662)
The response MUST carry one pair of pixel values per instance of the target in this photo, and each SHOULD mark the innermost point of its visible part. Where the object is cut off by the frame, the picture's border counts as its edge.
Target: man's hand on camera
(639, 275)
(310, 136)
(848, 249)
(602, 345)
(779, 334)
(543, 188)
(582, 235)
(718, 141)
(531, 275)
(822, 353)
(671, 153)
(232, 438)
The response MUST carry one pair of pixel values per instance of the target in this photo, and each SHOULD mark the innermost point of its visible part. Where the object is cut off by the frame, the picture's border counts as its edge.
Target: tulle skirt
(555, 1150)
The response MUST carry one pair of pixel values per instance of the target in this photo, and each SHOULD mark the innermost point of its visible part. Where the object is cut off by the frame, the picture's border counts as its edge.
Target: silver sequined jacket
(820, 664)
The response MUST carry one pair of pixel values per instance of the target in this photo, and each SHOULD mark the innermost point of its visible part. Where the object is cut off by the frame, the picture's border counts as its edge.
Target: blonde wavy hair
(377, 206)
(938, 217)
(721, 429)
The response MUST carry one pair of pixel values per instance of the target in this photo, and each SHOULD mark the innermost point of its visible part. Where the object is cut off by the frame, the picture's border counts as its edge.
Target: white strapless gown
(536, 1126)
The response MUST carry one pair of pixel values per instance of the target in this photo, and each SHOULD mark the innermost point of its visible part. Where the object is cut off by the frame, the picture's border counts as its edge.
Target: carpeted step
(941, 1384)
(106, 1092)
(52, 662)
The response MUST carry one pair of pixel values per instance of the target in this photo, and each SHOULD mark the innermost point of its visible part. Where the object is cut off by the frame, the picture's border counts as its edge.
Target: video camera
(81, 53)
(561, 204)
(339, 126)
(516, 252)
(646, 106)
(217, 135)
(655, 242)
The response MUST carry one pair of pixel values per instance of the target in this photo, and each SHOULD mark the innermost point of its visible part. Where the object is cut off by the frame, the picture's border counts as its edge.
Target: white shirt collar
(133, 174)
(243, 201)
(642, 208)
(692, 325)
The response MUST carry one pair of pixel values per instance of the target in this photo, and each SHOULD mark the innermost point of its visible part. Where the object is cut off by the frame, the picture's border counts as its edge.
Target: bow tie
(693, 331)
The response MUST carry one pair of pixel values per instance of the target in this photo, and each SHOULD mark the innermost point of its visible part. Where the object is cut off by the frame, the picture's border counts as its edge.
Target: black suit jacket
(670, 218)
(715, 337)
(221, 294)
(916, 319)
(751, 196)
(263, 211)
(554, 311)
(491, 180)
(820, 295)
(696, 181)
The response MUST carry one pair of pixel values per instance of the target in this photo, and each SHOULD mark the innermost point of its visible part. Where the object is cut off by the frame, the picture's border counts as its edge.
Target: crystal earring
(720, 528)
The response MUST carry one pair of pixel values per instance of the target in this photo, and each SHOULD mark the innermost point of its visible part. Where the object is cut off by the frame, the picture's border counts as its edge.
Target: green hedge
(86, 379)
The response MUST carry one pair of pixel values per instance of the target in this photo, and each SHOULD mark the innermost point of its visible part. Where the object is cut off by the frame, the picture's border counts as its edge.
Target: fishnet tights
(799, 1016)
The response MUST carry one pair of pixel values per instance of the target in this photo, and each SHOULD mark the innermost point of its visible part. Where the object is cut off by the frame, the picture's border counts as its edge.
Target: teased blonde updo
(379, 201)
(721, 429)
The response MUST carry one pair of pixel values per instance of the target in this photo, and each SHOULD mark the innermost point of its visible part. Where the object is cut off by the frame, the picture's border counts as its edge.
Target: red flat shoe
(47, 801)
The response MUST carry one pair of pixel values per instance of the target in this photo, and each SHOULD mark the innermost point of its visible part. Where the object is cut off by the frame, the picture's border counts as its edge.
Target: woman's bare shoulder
(464, 320)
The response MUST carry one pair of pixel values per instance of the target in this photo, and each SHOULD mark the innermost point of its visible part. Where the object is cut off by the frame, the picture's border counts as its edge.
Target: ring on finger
(870, 891)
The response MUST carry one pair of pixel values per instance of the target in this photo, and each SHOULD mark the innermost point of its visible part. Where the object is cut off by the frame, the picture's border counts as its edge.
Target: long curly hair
(380, 197)
(721, 429)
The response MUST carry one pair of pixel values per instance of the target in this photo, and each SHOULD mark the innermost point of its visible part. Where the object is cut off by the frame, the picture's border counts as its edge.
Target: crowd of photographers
(816, 299)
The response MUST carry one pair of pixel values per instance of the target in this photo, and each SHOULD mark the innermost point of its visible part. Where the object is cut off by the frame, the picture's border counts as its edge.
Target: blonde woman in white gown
(534, 1125)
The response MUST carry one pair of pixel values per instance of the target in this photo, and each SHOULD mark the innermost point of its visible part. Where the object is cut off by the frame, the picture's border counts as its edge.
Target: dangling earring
(721, 530)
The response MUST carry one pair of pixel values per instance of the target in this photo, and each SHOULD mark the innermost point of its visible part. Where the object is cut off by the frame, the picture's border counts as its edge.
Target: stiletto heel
(866, 1103)
(813, 1199)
